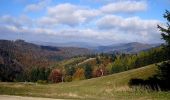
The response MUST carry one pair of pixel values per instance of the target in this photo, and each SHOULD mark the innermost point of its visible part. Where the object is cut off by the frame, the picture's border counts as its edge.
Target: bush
(68, 78)
(159, 81)
(164, 71)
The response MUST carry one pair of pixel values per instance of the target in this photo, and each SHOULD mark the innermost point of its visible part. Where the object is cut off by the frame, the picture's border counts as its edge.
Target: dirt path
(8, 97)
(86, 61)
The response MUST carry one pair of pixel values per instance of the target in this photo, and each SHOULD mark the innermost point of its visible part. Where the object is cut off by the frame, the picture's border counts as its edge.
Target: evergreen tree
(88, 71)
(98, 60)
(34, 74)
(164, 68)
(70, 71)
(47, 73)
(166, 31)
(41, 75)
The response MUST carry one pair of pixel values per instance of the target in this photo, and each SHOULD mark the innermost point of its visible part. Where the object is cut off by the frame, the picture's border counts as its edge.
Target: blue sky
(93, 21)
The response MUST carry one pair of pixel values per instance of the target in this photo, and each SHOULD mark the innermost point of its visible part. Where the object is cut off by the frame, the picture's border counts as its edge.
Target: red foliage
(55, 76)
(100, 72)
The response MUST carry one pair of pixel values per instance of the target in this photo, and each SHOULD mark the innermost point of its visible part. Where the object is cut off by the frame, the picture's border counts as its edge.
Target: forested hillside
(21, 57)
(22, 61)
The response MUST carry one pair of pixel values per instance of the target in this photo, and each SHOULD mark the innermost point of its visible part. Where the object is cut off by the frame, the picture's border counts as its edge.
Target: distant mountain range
(69, 44)
(133, 47)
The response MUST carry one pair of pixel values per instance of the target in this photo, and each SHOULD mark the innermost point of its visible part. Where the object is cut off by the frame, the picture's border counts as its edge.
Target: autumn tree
(79, 74)
(100, 71)
(55, 76)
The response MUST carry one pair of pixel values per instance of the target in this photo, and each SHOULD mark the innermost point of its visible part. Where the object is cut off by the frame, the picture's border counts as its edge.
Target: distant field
(112, 87)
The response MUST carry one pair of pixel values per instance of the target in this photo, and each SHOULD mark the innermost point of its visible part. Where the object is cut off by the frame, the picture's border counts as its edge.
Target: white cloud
(21, 21)
(132, 28)
(74, 34)
(110, 29)
(133, 24)
(124, 7)
(9, 20)
(37, 7)
(69, 14)
(73, 15)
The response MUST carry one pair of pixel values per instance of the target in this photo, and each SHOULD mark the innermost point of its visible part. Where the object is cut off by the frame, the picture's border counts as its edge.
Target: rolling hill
(18, 57)
(104, 88)
(33, 54)
(133, 47)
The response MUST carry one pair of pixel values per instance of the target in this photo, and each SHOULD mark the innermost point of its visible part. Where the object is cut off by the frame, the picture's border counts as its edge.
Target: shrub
(68, 78)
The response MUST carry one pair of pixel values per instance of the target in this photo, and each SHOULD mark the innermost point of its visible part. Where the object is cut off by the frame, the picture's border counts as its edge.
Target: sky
(92, 21)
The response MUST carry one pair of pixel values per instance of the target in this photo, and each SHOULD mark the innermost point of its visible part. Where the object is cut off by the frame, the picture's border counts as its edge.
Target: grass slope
(72, 61)
(112, 87)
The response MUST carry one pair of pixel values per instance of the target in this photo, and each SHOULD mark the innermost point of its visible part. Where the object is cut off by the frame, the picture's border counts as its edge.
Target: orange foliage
(79, 74)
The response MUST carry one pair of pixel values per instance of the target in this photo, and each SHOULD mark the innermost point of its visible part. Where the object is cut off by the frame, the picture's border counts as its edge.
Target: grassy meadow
(112, 87)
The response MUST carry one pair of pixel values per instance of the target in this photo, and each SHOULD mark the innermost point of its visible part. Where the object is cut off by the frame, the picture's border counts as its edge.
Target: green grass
(112, 87)
(72, 60)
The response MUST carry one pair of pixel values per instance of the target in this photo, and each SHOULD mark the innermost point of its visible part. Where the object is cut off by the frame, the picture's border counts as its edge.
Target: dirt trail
(8, 97)
(86, 61)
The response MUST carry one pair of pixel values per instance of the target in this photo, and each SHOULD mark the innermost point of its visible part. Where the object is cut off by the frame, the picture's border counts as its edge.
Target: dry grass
(112, 87)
